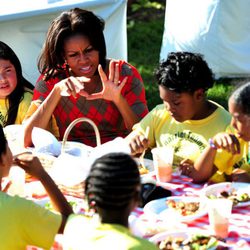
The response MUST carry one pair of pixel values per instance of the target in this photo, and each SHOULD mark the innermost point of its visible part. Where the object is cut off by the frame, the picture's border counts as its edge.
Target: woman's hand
(227, 142)
(72, 86)
(112, 88)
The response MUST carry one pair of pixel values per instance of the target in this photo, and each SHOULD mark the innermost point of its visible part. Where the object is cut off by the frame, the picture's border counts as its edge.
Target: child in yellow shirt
(15, 91)
(24, 222)
(227, 158)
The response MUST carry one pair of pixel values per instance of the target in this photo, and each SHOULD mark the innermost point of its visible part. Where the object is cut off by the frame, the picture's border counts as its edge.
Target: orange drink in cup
(219, 211)
(163, 161)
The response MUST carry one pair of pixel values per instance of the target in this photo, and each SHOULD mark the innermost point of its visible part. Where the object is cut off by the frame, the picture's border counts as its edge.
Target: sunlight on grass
(220, 93)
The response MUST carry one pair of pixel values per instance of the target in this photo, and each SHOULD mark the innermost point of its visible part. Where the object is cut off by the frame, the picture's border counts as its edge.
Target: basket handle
(72, 124)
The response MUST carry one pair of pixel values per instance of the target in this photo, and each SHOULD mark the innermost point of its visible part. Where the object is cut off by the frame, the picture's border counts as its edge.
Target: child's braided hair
(113, 181)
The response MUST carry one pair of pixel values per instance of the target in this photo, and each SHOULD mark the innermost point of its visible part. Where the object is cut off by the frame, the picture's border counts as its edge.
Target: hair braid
(113, 181)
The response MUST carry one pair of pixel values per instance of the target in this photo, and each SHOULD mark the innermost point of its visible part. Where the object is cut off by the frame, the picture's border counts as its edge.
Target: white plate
(160, 208)
(148, 164)
(216, 189)
(182, 234)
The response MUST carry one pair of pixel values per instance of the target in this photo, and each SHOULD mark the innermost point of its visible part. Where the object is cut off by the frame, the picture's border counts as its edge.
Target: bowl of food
(238, 192)
(189, 239)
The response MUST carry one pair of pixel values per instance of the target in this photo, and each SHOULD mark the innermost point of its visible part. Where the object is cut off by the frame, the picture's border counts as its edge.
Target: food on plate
(142, 169)
(50, 207)
(183, 207)
(234, 195)
(195, 242)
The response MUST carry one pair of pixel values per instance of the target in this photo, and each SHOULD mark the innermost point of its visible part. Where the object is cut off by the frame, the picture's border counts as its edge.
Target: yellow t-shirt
(52, 126)
(188, 138)
(25, 223)
(227, 162)
(22, 109)
(85, 233)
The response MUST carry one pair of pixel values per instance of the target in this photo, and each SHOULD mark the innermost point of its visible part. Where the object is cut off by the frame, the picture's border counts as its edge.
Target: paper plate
(156, 239)
(148, 163)
(160, 208)
(216, 189)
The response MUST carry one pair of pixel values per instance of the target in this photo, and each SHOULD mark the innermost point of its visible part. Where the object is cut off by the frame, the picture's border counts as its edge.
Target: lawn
(145, 30)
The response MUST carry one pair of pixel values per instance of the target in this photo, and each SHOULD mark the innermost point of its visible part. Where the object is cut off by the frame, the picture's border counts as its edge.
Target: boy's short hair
(184, 72)
(241, 97)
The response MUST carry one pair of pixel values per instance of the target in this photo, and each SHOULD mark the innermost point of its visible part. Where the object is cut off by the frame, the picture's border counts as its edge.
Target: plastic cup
(163, 163)
(219, 212)
(17, 177)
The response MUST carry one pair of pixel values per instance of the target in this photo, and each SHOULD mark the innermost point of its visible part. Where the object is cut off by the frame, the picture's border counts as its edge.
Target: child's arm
(204, 167)
(32, 166)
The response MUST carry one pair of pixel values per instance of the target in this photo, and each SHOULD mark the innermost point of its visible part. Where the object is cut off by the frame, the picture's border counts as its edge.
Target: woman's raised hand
(72, 86)
(112, 87)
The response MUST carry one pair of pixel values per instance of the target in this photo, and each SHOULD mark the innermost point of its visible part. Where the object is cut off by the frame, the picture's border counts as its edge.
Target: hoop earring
(67, 67)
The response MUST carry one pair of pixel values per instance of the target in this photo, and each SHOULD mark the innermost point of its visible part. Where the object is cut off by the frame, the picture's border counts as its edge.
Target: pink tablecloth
(239, 235)
(239, 230)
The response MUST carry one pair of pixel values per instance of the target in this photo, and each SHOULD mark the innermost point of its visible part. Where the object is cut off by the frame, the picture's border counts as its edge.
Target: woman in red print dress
(73, 62)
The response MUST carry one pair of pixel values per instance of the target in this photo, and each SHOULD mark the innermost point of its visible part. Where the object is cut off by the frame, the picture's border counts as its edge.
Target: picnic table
(239, 229)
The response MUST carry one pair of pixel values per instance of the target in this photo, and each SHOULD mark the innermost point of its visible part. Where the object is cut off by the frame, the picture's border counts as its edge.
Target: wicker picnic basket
(77, 189)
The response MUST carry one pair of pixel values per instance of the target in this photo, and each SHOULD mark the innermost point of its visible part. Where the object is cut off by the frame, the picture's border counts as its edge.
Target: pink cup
(219, 211)
(163, 163)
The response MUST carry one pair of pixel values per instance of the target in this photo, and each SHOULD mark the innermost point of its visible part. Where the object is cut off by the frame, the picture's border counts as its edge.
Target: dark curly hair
(241, 97)
(14, 99)
(69, 23)
(184, 72)
(113, 181)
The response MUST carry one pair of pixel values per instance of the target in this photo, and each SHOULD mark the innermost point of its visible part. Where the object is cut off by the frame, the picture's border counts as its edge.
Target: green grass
(220, 93)
(144, 44)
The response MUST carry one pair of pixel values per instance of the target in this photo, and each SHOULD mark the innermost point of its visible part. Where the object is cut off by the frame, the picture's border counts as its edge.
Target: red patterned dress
(103, 113)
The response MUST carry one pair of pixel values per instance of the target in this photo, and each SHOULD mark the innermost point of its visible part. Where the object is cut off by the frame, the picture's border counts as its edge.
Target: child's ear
(199, 94)
(6, 159)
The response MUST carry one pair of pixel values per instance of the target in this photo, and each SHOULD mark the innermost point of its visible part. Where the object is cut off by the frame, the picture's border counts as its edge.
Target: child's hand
(227, 142)
(138, 144)
(30, 163)
(240, 175)
(186, 167)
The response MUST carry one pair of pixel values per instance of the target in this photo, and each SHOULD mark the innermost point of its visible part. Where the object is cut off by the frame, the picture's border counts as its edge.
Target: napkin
(70, 170)
(78, 84)
(14, 136)
(45, 142)
(119, 144)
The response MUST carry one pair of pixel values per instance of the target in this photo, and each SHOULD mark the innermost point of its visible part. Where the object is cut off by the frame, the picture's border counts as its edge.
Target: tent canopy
(24, 24)
(218, 29)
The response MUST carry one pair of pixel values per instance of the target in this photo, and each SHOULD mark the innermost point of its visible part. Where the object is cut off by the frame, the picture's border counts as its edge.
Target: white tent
(219, 29)
(24, 23)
